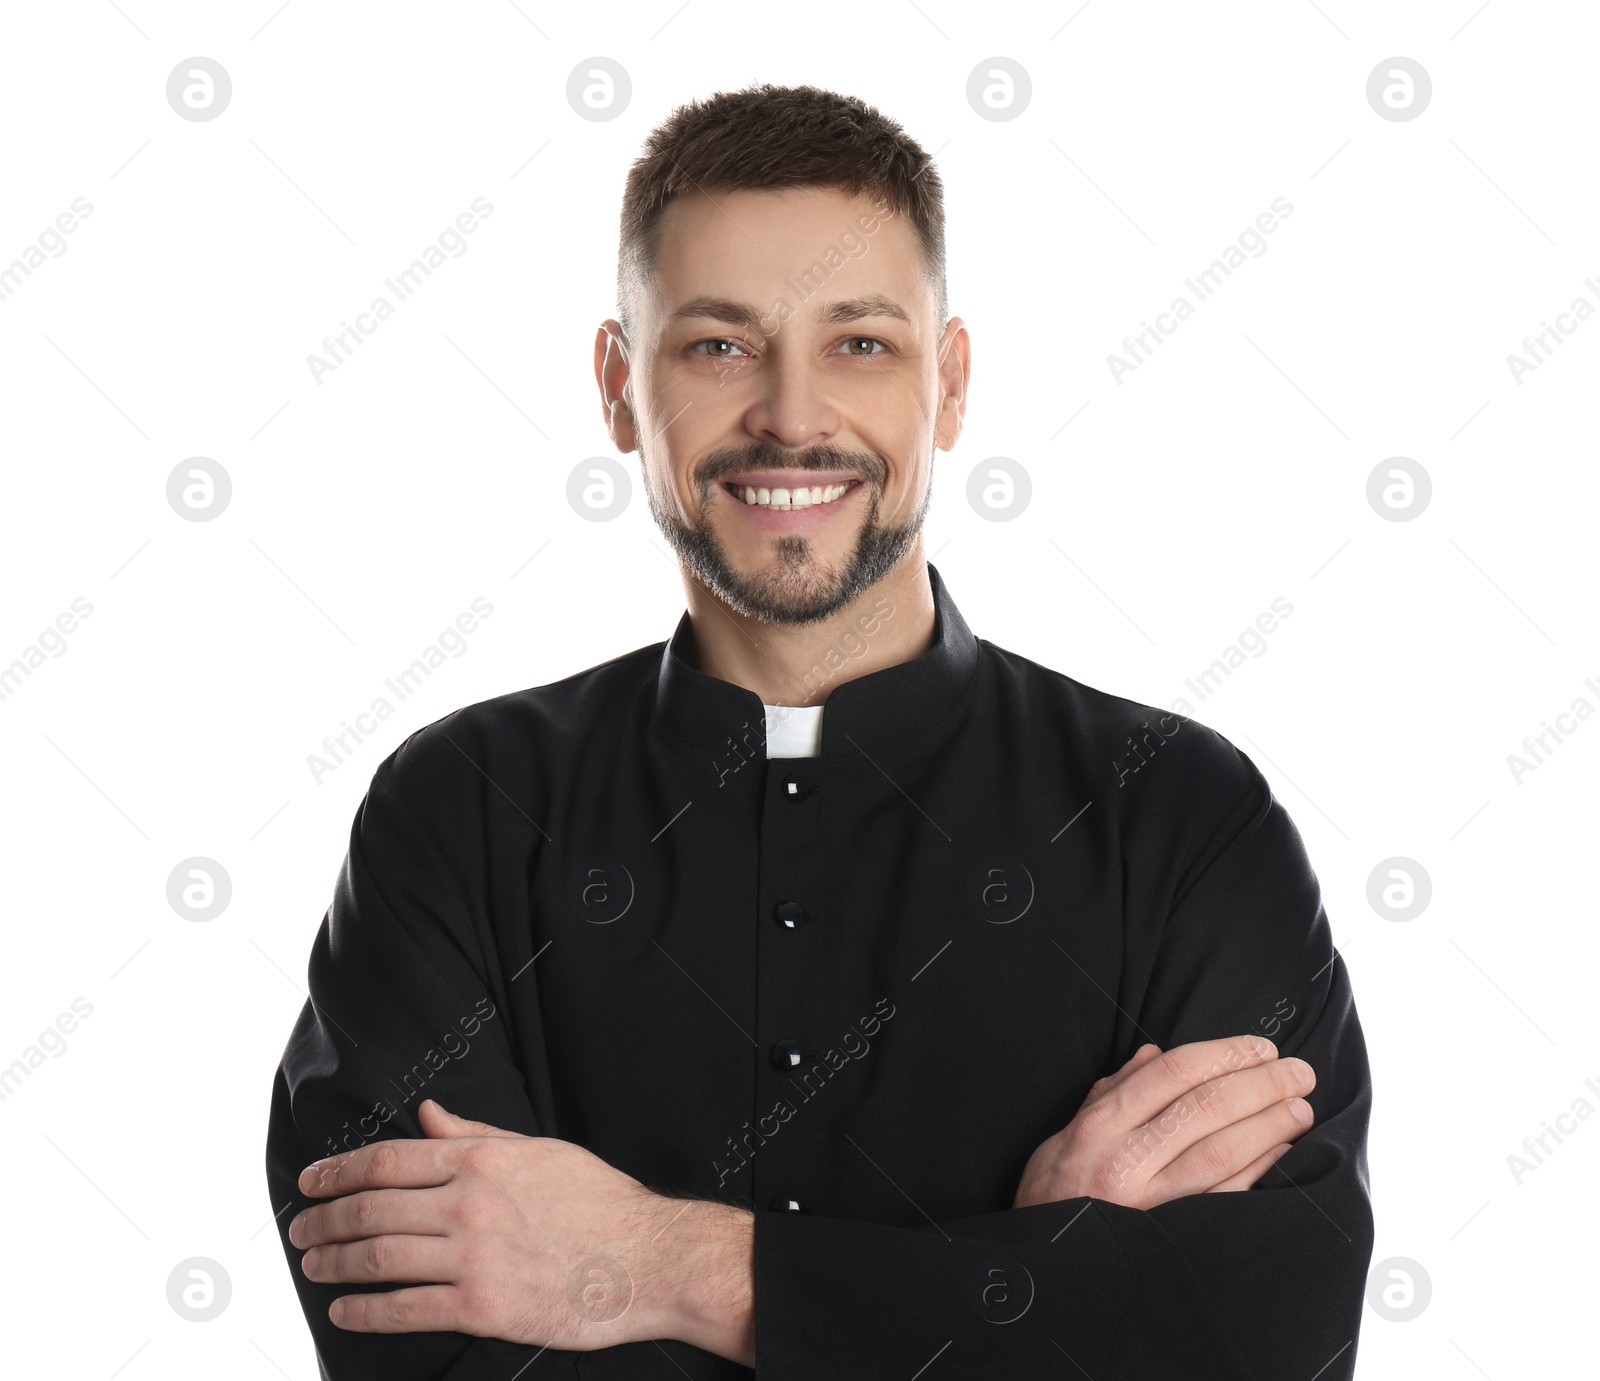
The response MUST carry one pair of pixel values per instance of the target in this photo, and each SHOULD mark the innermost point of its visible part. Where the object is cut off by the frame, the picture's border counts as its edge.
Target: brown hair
(769, 137)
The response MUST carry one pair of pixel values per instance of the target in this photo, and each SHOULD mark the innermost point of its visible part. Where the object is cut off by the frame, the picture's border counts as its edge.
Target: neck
(785, 664)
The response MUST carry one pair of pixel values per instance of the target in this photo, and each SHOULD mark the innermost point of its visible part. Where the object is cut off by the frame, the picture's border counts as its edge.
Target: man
(825, 990)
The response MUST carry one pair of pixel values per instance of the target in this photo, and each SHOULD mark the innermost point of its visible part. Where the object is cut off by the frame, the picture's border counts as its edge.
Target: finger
(1226, 1152)
(1252, 1172)
(420, 1309)
(379, 1259)
(1138, 1060)
(1193, 1126)
(1160, 1083)
(371, 1213)
(398, 1162)
(439, 1121)
(1235, 1096)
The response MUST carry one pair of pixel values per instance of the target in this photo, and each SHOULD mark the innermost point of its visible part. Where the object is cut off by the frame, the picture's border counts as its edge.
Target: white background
(369, 510)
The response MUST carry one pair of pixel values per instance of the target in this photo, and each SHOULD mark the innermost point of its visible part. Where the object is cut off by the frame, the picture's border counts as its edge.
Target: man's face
(823, 409)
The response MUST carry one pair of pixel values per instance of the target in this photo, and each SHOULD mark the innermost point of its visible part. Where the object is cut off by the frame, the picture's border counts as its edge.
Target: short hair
(767, 137)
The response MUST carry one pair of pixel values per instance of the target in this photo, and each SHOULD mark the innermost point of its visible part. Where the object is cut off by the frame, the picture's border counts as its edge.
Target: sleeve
(400, 1010)
(1245, 1286)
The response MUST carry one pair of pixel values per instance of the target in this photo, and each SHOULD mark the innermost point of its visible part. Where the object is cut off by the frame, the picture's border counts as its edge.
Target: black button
(790, 914)
(783, 1205)
(788, 1055)
(796, 787)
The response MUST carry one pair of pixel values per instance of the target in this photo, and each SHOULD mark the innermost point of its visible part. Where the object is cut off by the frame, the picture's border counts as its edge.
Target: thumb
(437, 1121)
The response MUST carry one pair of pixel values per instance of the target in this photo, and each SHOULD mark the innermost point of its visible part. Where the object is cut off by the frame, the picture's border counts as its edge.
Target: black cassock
(852, 992)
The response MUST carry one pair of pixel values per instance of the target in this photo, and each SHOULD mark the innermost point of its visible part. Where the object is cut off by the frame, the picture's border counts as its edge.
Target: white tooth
(763, 496)
(749, 494)
(816, 493)
(802, 498)
(780, 498)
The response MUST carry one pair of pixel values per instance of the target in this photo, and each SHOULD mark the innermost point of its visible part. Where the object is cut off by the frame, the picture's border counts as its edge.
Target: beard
(797, 589)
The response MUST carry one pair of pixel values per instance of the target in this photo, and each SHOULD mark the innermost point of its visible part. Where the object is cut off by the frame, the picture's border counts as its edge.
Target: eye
(870, 340)
(718, 354)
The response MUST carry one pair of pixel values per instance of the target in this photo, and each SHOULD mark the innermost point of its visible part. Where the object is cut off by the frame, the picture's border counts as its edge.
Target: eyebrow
(739, 314)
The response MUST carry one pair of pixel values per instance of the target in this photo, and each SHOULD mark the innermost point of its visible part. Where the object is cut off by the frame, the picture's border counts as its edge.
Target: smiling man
(824, 990)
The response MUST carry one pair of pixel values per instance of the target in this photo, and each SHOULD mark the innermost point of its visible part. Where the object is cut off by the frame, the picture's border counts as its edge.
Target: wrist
(705, 1293)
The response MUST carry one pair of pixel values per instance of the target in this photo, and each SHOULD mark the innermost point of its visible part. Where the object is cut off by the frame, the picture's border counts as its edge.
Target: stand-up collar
(880, 707)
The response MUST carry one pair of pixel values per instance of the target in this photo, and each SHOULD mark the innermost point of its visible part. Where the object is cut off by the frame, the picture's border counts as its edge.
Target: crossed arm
(535, 1240)
(495, 1241)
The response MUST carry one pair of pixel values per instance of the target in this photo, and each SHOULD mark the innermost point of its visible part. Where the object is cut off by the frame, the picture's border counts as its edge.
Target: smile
(789, 499)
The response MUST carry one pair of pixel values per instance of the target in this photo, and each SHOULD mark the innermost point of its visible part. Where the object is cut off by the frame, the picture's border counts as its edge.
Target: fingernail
(1302, 1073)
(1301, 1110)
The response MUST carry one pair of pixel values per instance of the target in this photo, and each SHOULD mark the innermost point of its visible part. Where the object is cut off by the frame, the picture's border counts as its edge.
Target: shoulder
(1137, 754)
(522, 731)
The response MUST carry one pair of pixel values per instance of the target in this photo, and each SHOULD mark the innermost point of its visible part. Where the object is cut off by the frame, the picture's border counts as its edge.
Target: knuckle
(377, 1256)
(385, 1160)
(1114, 1112)
(366, 1209)
(400, 1313)
(1217, 1160)
(1106, 1180)
(1096, 1121)
(481, 1156)
(1208, 1105)
(1171, 1064)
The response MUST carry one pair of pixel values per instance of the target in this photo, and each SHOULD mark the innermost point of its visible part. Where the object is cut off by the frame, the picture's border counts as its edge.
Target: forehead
(756, 247)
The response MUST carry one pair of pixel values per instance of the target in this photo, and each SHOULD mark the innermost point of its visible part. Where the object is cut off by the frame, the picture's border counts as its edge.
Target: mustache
(723, 464)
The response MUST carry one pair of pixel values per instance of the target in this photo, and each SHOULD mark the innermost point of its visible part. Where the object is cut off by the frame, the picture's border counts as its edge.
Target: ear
(612, 374)
(955, 373)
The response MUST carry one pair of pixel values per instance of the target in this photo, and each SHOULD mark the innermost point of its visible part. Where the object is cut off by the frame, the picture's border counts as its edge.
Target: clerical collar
(881, 707)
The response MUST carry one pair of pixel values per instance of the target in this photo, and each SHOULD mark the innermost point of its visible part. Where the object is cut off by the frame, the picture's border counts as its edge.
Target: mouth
(789, 499)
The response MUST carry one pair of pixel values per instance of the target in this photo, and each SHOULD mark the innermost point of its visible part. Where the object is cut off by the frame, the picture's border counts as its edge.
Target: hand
(1211, 1116)
(530, 1239)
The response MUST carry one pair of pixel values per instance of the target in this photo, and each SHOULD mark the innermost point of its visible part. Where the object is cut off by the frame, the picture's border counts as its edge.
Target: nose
(792, 409)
